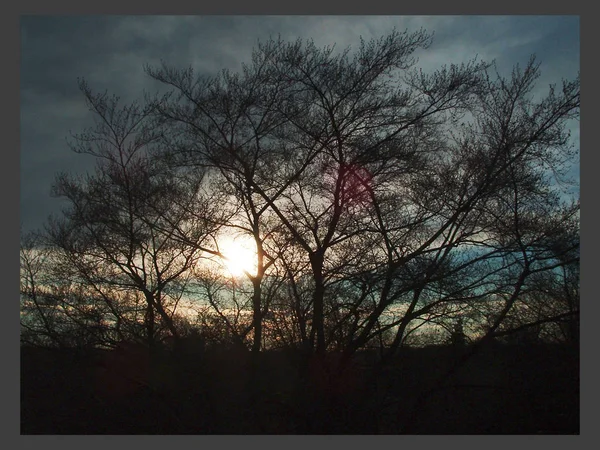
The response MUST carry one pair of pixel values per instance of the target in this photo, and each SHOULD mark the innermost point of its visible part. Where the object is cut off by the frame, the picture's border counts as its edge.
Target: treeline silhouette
(505, 389)
(416, 253)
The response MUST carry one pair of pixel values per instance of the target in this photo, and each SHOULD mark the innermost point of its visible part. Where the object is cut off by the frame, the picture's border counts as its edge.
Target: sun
(239, 255)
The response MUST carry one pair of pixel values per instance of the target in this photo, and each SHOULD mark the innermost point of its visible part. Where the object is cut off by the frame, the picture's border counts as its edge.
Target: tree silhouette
(118, 234)
(384, 202)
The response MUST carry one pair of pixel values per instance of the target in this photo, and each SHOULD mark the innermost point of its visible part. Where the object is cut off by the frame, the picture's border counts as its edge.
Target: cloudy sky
(110, 51)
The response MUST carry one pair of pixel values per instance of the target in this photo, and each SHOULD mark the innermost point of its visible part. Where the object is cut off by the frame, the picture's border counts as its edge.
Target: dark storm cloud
(110, 51)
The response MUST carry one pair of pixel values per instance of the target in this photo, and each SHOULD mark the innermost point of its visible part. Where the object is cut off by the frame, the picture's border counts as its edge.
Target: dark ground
(501, 390)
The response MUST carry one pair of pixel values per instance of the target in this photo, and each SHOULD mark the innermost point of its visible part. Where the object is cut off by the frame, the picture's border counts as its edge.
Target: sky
(110, 52)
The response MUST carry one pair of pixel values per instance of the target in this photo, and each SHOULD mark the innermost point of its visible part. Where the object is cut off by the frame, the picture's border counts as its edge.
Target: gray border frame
(10, 178)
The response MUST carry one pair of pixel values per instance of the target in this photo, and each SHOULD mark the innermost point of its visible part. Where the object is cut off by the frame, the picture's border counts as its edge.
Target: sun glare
(239, 255)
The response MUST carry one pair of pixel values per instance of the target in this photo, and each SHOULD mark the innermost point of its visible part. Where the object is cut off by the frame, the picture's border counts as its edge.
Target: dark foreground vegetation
(502, 389)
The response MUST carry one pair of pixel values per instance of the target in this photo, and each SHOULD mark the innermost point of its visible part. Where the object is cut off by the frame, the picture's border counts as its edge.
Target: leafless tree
(381, 199)
(117, 232)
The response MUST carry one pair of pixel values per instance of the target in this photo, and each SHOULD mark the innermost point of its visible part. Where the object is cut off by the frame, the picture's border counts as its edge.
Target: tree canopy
(383, 203)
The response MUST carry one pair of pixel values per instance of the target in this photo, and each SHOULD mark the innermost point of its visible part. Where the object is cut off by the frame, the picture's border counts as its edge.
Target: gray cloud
(110, 51)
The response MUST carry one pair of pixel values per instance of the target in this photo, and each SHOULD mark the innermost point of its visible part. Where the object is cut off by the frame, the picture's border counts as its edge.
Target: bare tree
(385, 205)
(118, 233)
(386, 179)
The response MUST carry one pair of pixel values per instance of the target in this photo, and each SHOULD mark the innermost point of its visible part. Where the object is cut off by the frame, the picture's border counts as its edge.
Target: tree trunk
(316, 260)
(149, 322)
(256, 315)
